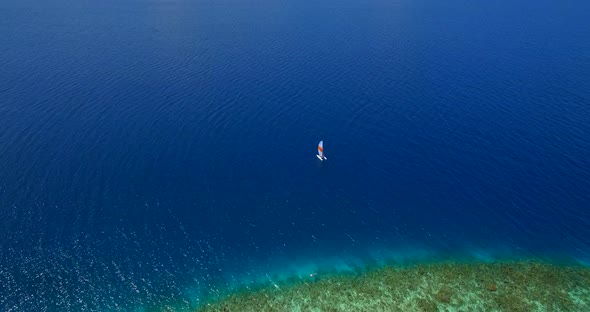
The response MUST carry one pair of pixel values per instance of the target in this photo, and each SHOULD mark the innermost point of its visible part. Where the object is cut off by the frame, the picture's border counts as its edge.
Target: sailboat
(320, 154)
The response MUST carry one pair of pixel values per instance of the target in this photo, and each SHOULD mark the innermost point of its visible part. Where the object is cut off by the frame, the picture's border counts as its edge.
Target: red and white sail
(321, 150)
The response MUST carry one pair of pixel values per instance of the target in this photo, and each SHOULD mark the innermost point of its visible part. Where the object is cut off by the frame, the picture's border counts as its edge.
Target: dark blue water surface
(157, 152)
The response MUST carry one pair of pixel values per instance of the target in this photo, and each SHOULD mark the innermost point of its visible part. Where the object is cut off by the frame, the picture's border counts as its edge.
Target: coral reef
(508, 286)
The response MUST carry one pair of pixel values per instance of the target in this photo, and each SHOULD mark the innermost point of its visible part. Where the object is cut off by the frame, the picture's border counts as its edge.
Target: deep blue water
(157, 152)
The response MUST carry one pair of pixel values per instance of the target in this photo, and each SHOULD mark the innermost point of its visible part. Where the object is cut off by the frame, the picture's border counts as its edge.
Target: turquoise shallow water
(161, 152)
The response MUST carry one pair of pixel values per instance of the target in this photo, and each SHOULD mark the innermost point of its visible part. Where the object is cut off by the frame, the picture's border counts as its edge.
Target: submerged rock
(492, 287)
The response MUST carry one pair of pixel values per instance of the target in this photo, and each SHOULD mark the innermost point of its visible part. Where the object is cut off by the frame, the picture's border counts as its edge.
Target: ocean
(157, 153)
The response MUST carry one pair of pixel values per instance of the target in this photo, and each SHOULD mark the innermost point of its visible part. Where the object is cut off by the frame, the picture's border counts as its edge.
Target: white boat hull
(321, 158)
